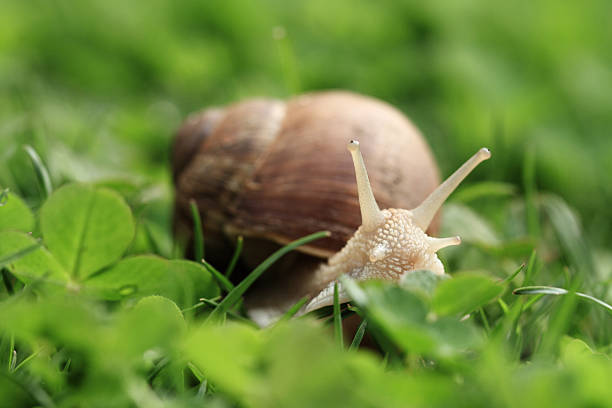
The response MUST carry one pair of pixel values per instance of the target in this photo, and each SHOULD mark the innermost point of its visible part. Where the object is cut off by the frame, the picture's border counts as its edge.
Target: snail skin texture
(389, 243)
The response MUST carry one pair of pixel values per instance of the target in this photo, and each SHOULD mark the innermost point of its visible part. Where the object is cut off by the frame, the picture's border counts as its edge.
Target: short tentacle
(438, 243)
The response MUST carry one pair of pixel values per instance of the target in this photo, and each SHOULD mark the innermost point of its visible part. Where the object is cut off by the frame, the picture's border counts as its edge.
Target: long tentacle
(371, 217)
(424, 213)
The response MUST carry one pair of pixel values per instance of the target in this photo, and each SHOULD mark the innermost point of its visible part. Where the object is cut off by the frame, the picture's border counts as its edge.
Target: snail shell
(276, 171)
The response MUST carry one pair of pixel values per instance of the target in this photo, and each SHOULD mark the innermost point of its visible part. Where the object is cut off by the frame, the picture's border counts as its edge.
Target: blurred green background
(99, 86)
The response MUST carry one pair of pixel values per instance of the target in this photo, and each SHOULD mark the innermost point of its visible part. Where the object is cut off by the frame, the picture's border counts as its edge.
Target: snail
(389, 243)
(274, 171)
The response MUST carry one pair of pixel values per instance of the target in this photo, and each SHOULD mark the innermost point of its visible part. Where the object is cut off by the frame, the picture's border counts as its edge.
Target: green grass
(82, 318)
(99, 308)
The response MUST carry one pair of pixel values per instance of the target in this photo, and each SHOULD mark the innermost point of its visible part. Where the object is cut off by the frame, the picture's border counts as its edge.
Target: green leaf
(400, 313)
(9, 259)
(15, 214)
(575, 348)
(204, 285)
(422, 281)
(179, 280)
(452, 336)
(85, 228)
(403, 316)
(337, 318)
(34, 262)
(41, 171)
(464, 293)
(136, 276)
(228, 353)
(359, 335)
(396, 305)
(158, 319)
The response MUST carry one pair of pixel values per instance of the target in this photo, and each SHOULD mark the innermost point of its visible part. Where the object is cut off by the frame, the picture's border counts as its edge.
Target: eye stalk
(371, 217)
(424, 213)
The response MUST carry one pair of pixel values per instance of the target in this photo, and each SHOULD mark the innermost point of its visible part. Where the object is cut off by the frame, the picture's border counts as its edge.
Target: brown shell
(280, 170)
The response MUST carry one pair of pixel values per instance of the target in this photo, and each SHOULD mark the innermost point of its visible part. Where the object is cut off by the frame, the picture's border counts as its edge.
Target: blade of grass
(511, 277)
(530, 271)
(26, 360)
(568, 230)
(536, 290)
(202, 388)
(237, 252)
(214, 305)
(287, 60)
(531, 302)
(3, 196)
(13, 361)
(503, 305)
(222, 281)
(559, 322)
(359, 335)
(234, 295)
(529, 184)
(294, 309)
(6, 279)
(66, 366)
(198, 234)
(150, 240)
(178, 247)
(11, 352)
(41, 171)
(199, 374)
(551, 290)
(337, 318)
(594, 299)
(484, 319)
(199, 304)
(500, 147)
(34, 390)
(163, 363)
